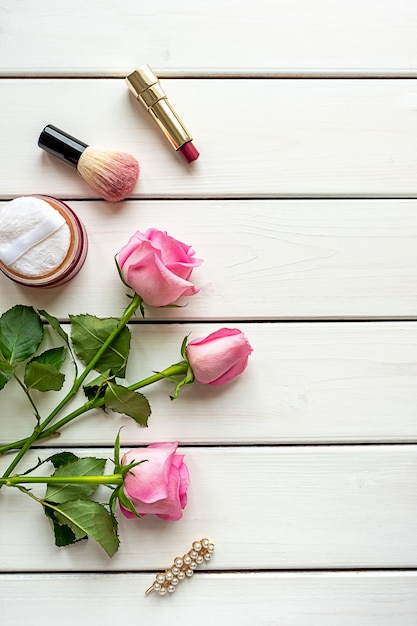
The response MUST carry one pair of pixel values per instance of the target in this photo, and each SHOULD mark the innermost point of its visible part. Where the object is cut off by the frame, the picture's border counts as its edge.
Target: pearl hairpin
(183, 567)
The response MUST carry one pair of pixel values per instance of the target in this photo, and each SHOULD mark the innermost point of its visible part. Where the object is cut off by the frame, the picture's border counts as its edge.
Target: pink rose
(157, 267)
(159, 484)
(218, 358)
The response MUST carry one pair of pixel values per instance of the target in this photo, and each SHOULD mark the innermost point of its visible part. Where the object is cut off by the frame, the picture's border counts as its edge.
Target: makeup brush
(112, 175)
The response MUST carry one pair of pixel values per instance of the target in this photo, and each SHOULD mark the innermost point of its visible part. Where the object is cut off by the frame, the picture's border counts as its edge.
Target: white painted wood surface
(303, 205)
(297, 37)
(258, 137)
(301, 599)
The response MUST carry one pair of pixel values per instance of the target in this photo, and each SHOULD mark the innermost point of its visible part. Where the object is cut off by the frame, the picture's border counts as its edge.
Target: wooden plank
(301, 599)
(264, 508)
(265, 259)
(245, 38)
(259, 138)
(305, 383)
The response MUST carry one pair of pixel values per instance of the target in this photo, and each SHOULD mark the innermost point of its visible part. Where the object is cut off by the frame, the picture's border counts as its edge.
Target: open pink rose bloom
(219, 357)
(157, 267)
(158, 485)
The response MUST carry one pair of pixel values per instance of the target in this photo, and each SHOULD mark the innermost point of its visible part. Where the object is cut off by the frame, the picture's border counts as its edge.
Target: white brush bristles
(113, 175)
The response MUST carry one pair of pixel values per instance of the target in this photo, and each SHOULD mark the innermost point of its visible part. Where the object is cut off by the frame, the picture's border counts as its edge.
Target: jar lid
(34, 237)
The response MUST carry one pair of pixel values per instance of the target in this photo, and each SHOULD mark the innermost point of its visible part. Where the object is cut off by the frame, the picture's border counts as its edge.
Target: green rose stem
(127, 314)
(110, 479)
(170, 372)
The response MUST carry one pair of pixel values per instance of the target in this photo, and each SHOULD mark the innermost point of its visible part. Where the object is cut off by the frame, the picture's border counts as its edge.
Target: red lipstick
(146, 88)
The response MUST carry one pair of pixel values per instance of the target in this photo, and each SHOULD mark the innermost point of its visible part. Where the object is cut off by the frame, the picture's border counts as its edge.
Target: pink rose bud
(157, 267)
(158, 485)
(220, 357)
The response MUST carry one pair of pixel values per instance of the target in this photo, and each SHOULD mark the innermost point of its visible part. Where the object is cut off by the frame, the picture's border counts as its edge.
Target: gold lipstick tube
(146, 88)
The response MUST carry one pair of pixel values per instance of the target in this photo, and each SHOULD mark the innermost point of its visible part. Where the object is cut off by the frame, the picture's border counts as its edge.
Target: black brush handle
(61, 145)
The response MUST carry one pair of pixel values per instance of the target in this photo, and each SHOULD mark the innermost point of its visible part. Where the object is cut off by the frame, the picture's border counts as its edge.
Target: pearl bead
(183, 567)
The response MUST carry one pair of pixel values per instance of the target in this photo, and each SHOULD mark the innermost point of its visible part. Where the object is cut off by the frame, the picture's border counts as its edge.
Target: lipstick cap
(61, 145)
(147, 89)
(141, 79)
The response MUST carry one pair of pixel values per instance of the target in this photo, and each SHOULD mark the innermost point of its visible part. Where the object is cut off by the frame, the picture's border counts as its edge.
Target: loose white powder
(23, 216)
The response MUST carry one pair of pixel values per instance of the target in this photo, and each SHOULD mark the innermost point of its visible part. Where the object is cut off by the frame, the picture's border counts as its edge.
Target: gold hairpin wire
(183, 567)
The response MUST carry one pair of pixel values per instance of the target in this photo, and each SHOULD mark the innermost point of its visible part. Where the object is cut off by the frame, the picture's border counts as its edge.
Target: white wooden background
(304, 206)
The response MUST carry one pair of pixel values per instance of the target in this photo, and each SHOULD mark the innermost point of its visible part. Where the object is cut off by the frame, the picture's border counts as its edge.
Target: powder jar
(42, 241)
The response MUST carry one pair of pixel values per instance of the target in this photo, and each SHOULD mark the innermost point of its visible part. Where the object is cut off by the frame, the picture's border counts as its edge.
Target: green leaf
(54, 323)
(61, 458)
(43, 377)
(87, 466)
(116, 455)
(183, 349)
(21, 333)
(120, 272)
(187, 380)
(113, 501)
(96, 388)
(54, 357)
(6, 373)
(42, 372)
(88, 334)
(92, 519)
(132, 403)
(124, 500)
(63, 521)
(64, 534)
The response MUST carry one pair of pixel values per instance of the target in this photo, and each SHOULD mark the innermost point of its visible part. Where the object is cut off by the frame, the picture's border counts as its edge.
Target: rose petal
(148, 481)
(166, 476)
(169, 508)
(157, 267)
(231, 373)
(155, 283)
(218, 334)
(134, 242)
(171, 249)
(221, 356)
